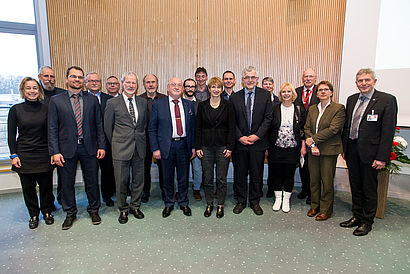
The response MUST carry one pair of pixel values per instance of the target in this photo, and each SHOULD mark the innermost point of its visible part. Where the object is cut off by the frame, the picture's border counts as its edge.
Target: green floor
(273, 243)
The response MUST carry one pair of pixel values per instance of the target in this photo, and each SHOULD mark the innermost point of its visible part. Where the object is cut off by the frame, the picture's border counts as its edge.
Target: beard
(129, 92)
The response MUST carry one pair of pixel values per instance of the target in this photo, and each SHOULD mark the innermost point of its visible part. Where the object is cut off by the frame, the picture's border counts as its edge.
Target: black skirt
(289, 155)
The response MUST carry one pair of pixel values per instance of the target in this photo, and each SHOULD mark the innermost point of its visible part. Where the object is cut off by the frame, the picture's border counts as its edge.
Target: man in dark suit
(229, 80)
(371, 117)
(93, 85)
(307, 96)
(75, 132)
(125, 122)
(47, 79)
(150, 82)
(171, 134)
(253, 112)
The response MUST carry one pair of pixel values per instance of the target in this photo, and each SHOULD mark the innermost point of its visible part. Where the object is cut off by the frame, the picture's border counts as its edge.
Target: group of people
(204, 124)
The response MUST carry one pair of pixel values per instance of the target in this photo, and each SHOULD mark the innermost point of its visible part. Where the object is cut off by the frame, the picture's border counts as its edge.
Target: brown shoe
(197, 195)
(322, 217)
(312, 212)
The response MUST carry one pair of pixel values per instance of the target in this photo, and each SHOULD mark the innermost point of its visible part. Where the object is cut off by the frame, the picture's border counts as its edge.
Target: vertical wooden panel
(172, 37)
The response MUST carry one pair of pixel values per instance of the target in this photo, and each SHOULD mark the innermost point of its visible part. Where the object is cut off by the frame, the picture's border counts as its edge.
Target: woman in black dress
(29, 151)
(214, 142)
(287, 145)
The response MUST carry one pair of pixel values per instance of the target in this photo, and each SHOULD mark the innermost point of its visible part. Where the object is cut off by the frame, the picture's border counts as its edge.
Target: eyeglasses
(76, 77)
(48, 76)
(175, 85)
(323, 89)
(94, 81)
(253, 78)
(112, 84)
(190, 86)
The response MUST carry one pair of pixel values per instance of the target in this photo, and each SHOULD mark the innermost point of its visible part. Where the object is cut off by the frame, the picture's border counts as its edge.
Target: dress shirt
(252, 92)
(127, 103)
(174, 123)
(319, 106)
(98, 95)
(365, 102)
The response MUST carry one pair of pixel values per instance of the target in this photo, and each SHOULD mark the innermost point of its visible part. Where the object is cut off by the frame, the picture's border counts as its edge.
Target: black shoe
(109, 202)
(48, 218)
(308, 200)
(220, 212)
(302, 195)
(95, 218)
(257, 209)
(352, 222)
(167, 211)
(33, 222)
(208, 210)
(68, 222)
(270, 194)
(144, 198)
(186, 210)
(123, 217)
(239, 208)
(362, 230)
(137, 213)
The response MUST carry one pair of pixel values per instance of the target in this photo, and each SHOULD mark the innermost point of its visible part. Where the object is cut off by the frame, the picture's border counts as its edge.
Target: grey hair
(44, 67)
(249, 69)
(366, 71)
(128, 73)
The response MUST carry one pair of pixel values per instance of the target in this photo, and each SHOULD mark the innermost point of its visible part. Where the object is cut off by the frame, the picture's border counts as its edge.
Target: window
(24, 47)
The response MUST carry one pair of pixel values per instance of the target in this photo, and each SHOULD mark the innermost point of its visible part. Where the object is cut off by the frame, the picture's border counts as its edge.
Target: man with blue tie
(253, 112)
(171, 135)
(75, 132)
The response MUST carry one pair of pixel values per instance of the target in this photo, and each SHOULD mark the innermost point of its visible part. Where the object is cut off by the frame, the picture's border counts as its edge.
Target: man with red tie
(306, 98)
(171, 136)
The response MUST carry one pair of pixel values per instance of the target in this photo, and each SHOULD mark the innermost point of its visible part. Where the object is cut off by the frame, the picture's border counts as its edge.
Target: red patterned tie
(306, 101)
(178, 118)
(77, 113)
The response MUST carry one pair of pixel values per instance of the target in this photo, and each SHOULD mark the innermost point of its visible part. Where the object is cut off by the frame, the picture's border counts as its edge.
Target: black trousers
(45, 185)
(249, 162)
(363, 184)
(213, 155)
(147, 174)
(305, 176)
(284, 178)
(89, 167)
(107, 176)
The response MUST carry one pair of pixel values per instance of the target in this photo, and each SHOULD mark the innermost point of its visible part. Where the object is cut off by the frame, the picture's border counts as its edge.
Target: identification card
(372, 117)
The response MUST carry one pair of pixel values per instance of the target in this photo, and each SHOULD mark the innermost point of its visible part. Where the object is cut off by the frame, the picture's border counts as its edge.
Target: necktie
(249, 111)
(77, 114)
(306, 99)
(178, 118)
(132, 111)
(354, 132)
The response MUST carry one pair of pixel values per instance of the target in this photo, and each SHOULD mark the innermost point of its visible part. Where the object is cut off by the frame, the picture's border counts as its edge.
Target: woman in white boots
(287, 145)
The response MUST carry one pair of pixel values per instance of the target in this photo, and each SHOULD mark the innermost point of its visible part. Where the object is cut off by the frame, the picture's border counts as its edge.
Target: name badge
(372, 117)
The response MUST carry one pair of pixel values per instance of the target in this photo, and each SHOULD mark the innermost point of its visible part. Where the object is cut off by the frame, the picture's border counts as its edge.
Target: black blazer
(375, 137)
(219, 132)
(299, 120)
(104, 97)
(261, 119)
(313, 100)
(62, 127)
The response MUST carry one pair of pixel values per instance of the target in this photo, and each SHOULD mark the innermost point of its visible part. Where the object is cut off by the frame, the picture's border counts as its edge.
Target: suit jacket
(62, 127)
(104, 97)
(329, 134)
(160, 126)
(123, 135)
(375, 137)
(299, 119)
(261, 118)
(215, 132)
(49, 93)
(313, 100)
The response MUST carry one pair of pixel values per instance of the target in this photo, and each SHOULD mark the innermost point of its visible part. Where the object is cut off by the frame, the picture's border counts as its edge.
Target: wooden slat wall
(172, 37)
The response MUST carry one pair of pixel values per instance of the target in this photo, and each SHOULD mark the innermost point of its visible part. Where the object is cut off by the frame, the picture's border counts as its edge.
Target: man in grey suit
(125, 121)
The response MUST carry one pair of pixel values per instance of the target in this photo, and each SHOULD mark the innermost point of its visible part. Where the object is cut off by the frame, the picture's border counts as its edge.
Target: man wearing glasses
(112, 85)
(253, 112)
(75, 132)
(93, 85)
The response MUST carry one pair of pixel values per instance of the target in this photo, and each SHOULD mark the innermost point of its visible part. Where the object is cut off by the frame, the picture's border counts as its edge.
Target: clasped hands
(248, 140)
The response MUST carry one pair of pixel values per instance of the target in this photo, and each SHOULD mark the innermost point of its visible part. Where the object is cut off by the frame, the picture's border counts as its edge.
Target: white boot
(278, 201)
(286, 201)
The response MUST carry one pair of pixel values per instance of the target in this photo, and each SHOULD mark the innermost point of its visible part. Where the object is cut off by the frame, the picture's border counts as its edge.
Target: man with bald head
(171, 135)
(150, 82)
(306, 98)
(93, 85)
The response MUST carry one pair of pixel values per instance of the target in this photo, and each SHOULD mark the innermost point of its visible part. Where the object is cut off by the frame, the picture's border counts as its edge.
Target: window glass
(21, 11)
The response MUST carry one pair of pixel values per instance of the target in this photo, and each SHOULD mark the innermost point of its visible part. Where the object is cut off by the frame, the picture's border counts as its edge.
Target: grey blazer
(124, 137)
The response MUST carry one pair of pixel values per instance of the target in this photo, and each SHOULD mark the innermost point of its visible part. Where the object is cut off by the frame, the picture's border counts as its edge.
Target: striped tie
(77, 113)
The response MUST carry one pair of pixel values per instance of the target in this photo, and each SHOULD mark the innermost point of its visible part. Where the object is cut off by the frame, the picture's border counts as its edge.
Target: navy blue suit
(63, 138)
(173, 153)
